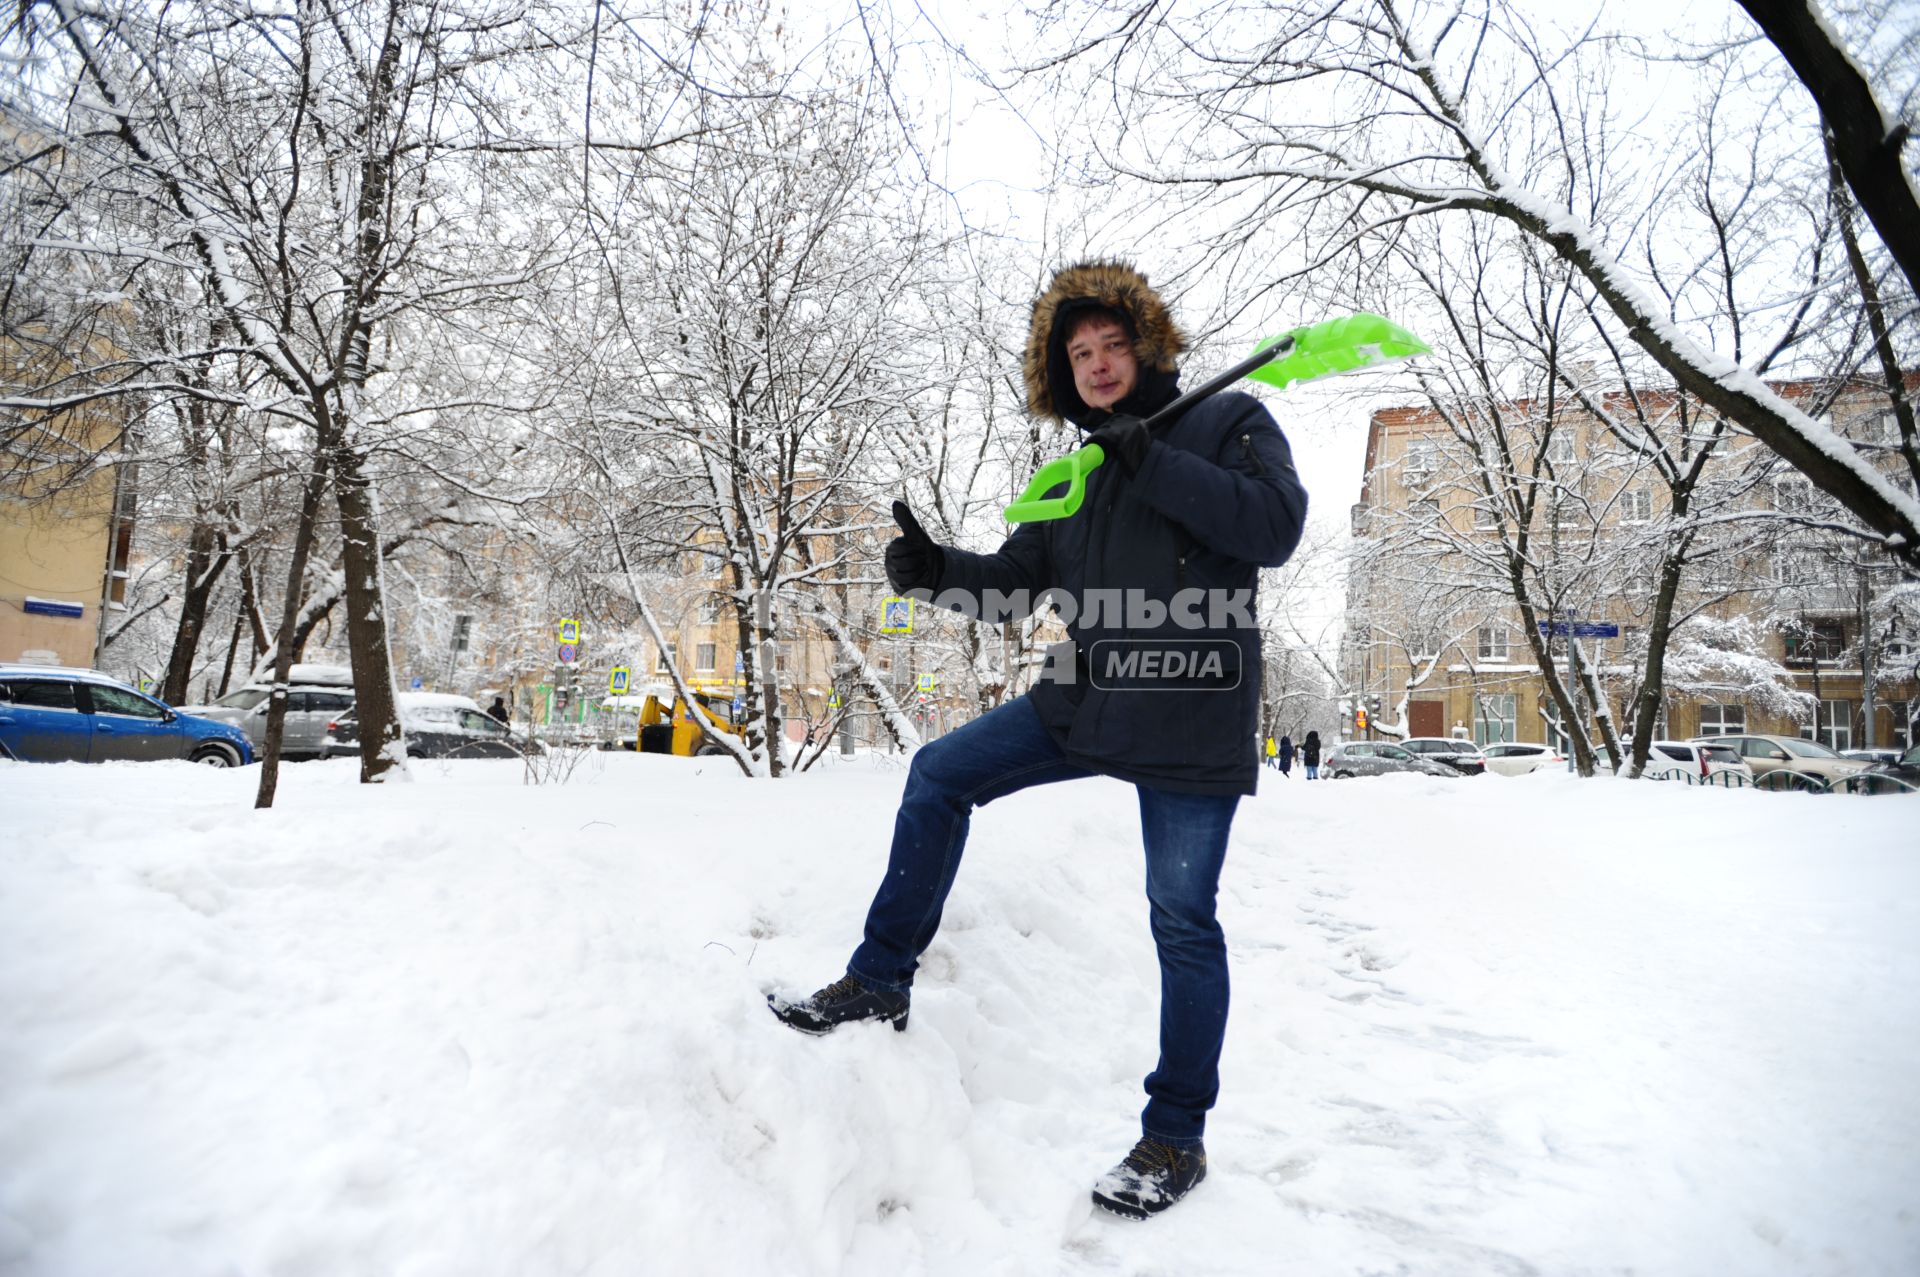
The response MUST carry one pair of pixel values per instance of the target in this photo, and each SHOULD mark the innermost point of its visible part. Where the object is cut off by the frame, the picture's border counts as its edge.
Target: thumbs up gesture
(913, 560)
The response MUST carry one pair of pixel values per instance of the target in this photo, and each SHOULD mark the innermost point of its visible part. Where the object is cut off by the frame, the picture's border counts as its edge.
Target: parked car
(1788, 753)
(1518, 758)
(54, 714)
(316, 695)
(1906, 769)
(1462, 755)
(1871, 756)
(1378, 758)
(1683, 760)
(437, 725)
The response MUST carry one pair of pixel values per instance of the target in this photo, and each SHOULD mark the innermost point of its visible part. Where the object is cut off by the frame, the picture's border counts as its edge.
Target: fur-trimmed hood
(1116, 285)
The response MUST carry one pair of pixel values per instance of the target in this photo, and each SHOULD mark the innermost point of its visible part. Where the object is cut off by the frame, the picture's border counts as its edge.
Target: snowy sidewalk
(467, 1027)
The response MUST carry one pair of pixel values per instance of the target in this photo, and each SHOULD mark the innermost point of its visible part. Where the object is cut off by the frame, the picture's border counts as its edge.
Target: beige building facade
(1436, 647)
(65, 529)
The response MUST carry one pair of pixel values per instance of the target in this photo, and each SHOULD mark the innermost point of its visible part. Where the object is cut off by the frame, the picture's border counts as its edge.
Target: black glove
(1124, 439)
(913, 560)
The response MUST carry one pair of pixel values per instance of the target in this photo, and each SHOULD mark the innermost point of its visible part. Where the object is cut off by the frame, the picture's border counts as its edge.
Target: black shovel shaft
(1256, 360)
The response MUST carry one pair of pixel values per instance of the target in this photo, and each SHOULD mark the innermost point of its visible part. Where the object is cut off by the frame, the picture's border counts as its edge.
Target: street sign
(739, 662)
(418, 683)
(570, 632)
(569, 653)
(1581, 629)
(833, 701)
(928, 682)
(738, 705)
(896, 616)
(617, 680)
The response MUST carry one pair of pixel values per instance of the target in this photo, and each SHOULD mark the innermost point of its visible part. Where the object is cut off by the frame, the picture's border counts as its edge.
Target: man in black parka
(1158, 685)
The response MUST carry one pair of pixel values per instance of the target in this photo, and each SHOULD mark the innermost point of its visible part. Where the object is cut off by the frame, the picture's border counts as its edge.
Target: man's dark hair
(1075, 317)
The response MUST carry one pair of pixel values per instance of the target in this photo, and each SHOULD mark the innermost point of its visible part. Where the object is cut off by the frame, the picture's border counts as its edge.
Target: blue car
(50, 714)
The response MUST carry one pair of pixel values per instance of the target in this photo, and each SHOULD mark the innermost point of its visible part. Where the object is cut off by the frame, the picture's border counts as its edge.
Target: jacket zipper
(1246, 445)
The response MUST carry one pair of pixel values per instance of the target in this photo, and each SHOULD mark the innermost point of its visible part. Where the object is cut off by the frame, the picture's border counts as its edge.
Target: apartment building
(1456, 504)
(66, 525)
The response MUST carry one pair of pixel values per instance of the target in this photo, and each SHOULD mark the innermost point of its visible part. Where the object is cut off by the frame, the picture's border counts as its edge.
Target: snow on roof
(335, 675)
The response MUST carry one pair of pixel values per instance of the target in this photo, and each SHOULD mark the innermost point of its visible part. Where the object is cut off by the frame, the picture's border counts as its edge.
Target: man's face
(1104, 369)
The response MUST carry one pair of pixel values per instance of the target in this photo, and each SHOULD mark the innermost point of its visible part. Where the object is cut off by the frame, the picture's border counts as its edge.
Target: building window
(1899, 717)
(1494, 643)
(1792, 495)
(1423, 457)
(1816, 641)
(668, 659)
(703, 657)
(1494, 718)
(710, 604)
(1791, 569)
(1485, 514)
(1636, 505)
(1560, 446)
(1833, 725)
(1717, 719)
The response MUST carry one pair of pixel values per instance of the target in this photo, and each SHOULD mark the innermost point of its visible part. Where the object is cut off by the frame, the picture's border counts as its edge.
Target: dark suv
(52, 714)
(1462, 755)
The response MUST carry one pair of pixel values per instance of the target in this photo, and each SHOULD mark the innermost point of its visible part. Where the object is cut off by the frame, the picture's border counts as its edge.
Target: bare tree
(326, 171)
(1353, 119)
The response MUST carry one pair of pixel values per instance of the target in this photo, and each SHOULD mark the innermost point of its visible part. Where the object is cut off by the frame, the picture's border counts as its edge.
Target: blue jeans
(1009, 749)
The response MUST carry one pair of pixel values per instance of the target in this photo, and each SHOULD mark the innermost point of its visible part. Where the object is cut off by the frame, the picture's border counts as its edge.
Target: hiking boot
(1151, 1178)
(844, 1000)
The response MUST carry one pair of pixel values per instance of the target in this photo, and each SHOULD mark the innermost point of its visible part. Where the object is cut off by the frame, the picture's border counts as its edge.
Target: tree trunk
(203, 570)
(382, 742)
(310, 498)
(1646, 709)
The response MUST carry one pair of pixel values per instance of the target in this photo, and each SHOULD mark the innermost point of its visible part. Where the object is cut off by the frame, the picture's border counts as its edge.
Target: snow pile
(471, 1027)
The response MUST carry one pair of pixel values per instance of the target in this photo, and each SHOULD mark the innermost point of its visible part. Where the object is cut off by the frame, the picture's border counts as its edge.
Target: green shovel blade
(1337, 346)
(1035, 507)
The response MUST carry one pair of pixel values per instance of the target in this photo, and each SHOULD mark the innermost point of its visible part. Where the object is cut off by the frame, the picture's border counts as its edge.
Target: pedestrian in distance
(499, 712)
(1286, 756)
(1202, 500)
(1273, 753)
(1310, 755)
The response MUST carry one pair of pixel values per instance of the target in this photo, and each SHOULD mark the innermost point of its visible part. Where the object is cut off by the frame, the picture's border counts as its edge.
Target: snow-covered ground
(465, 1027)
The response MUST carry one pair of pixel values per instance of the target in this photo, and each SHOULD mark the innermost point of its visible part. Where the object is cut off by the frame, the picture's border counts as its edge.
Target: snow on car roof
(436, 700)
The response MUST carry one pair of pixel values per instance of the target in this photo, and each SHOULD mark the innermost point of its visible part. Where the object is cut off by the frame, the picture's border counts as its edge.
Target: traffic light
(1360, 719)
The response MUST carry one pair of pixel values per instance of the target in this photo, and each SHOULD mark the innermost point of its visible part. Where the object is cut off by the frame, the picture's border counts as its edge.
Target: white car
(1685, 761)
(316, 695)
(1518, 758)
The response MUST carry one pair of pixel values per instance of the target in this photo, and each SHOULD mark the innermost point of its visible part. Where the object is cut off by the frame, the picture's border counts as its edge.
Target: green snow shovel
(1305, 354)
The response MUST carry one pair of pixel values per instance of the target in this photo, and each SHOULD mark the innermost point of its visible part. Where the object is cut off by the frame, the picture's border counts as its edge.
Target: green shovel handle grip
(1035, 506)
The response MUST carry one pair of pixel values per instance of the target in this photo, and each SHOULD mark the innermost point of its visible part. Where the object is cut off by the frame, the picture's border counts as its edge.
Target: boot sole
(1122, 1209)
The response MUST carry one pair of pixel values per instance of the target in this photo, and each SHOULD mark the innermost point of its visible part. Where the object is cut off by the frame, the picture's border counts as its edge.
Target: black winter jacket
(1215, 499)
